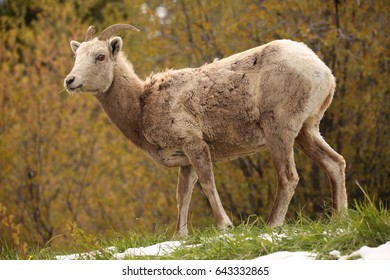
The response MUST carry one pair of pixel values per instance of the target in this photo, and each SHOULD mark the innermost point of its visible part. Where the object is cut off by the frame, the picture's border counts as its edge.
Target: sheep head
(95, 58)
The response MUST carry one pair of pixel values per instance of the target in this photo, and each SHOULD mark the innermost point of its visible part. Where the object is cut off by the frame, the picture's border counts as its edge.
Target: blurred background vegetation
(62, 161)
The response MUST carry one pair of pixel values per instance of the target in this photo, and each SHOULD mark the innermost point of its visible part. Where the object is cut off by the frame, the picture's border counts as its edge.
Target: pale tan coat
(270, 97)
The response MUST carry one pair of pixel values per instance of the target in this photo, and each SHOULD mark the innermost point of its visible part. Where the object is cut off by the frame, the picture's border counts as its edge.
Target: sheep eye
(101, 57)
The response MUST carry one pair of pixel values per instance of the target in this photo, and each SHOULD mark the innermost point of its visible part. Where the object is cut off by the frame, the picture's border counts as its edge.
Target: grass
(365, 224)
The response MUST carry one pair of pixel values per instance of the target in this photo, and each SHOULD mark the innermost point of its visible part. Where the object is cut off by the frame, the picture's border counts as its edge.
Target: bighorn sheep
(269, 97)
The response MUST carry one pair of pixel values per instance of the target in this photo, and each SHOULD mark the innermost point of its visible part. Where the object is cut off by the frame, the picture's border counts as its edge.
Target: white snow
(335, 253)
(286, 255)
(84, 256)
(159, 249)
(381, 252)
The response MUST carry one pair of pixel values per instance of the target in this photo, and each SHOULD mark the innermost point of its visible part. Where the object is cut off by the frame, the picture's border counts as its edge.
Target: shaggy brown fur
(270, 97)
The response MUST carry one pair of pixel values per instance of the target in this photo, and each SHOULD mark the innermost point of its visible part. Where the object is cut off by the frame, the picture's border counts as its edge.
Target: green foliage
(63, 162)
(19, 246)
(365, 225)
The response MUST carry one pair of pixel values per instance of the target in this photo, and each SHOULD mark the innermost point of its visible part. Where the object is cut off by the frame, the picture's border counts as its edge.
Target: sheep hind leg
(199, 156)
(310, 141)
(281, 146)
(185, 186)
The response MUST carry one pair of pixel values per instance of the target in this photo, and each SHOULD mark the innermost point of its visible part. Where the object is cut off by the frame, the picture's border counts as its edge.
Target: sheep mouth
(74, 89)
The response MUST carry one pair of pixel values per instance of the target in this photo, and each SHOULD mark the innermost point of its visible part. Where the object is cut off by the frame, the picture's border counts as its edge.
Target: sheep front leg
(287, 177)
(282, 154)
(199, 155)
(185, 186)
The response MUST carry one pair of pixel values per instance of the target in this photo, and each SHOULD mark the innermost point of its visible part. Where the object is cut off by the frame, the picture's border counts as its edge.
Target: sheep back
(226, 103)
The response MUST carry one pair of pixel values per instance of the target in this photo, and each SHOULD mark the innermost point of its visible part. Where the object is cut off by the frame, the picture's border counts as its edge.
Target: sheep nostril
(69, 80)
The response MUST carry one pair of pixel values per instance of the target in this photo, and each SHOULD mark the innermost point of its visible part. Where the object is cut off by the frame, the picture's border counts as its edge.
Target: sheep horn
(111, 30)
(90, 32)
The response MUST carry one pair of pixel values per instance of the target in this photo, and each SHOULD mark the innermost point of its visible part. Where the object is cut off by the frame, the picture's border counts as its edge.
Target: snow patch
(286, 255)
(159, 249)
(86, 256)
(381, 252)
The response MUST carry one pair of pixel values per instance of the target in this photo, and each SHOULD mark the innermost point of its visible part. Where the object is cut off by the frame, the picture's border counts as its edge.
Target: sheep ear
(74, 45)
(115, 45)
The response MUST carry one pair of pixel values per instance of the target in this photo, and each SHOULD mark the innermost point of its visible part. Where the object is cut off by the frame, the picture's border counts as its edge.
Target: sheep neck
(122, 103)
